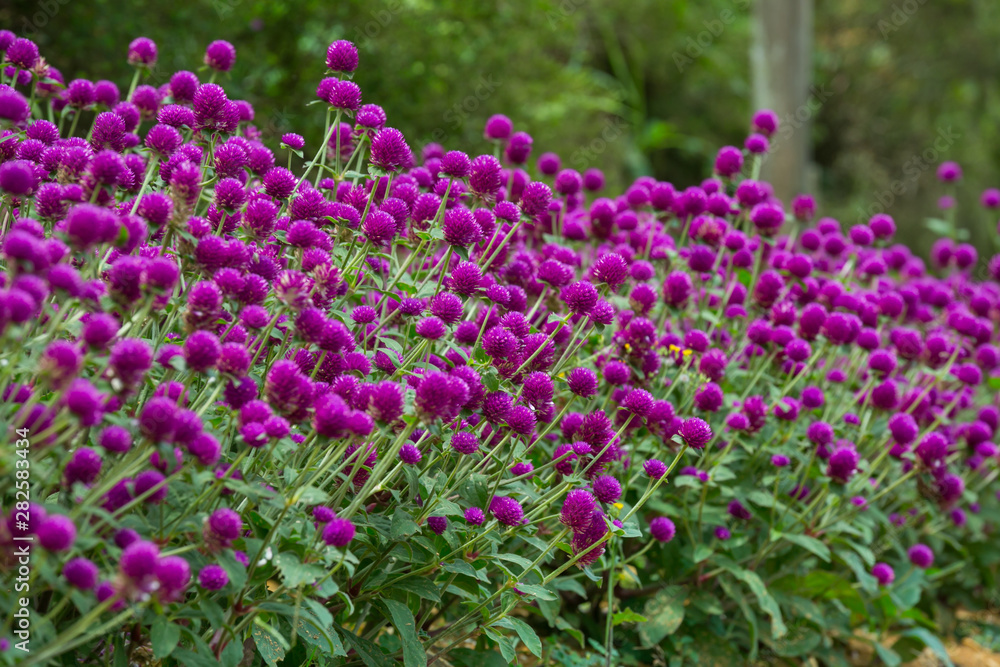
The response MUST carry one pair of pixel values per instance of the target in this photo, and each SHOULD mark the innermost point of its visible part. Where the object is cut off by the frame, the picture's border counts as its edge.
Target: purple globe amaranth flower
(949, 172)
(173, 574)
(696, 432)
(498, 127)
(410, 454)
(843, 463)
(465, 442)
(883, 573)
(220, 55)
(438, 524)
(201, 351)
(142, 51)
(535, 199)
(342, 56)
(662, 529)
(611, 269)
(224, 525)
(56, 533)
(519, 147)
(484, 176)
(80, 573)
(389, 150)
(766, 122)
(521, 420)
(583, 541)
(921, 556)
(729, 161)
(722, 533)
(213, 578)
(84, 467)
(139, 559)
(474, 516)
(737, 510)
(580, 297)
(460, 227)
(582, 382)
(22, 53)
(607, 489)
(654, 468)
(507, 511)
(17, 177)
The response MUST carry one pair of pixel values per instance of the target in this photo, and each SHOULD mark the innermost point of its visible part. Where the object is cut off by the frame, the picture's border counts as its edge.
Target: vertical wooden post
(781, 60)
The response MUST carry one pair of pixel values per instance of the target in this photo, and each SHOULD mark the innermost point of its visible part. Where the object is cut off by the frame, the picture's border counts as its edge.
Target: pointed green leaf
(402, 618)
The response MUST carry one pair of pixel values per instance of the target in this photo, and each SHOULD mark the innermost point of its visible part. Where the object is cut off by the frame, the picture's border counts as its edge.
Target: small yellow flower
(686, 353)
(619, 506)
(674, 348)
(628, 348)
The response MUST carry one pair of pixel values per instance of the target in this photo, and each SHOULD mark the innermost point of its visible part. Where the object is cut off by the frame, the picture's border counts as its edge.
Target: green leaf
(369, 652)
(183, 656)
(906, 593)
(310, 495)
(764, 599)
(931, 642)
(627, 616)
(702, 552)
(421, 586)
(573, 632)
(507, 645)
(539, 592)
(294, 572)
(707, 602)
(888, 656)
(461, 567)
(810, 544)
(491, 381)
(665, 612)
(735, 594)
(270, 649)
(164, 636)
(722, 474)
(402, 618)
(853, 561)
(212, 611)
(799, 641)
(527, 635)
(402, 525)
(761, 499)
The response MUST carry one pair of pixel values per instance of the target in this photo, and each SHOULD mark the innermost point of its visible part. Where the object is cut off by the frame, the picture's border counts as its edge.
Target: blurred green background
(619, 84)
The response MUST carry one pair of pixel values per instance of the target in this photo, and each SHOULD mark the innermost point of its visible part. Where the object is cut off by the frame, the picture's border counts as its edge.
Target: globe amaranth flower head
(474, 516)
(507, 510)
(582, 382)
(389, 150)
(220, 55)
(338, 532)
(883, 573)
(498, 127)
(695, 432)
(921, 556)
(607, 489)
(588, 544)
(654, 468)
(342, 56)
(142, 51)
(662, 529)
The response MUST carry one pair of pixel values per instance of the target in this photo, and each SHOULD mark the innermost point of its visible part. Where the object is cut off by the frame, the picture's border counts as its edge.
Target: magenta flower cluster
(245, 383)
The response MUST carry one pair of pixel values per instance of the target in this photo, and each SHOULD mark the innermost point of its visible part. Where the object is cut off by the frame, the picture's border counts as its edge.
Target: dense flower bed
(382, 408)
